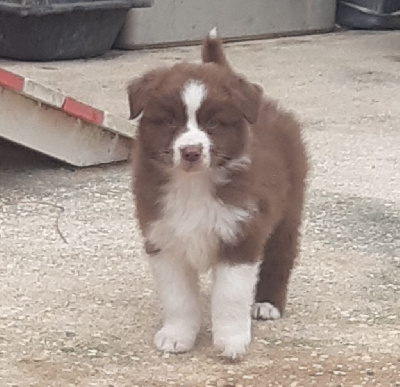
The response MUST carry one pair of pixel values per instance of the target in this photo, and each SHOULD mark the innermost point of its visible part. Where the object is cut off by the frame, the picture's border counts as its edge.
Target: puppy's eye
(170, 122)
(211, 123)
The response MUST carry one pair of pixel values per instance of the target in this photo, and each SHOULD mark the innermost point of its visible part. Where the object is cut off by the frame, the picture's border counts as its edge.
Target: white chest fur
(193, 221)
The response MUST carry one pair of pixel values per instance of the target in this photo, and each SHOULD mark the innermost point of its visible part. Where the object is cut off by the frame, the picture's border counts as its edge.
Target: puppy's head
(194, 117)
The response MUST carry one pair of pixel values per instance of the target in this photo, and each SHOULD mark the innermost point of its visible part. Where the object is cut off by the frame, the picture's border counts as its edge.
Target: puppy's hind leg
(279, 256)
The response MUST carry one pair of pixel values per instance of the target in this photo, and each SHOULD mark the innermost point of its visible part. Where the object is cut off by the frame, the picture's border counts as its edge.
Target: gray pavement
(78, 305)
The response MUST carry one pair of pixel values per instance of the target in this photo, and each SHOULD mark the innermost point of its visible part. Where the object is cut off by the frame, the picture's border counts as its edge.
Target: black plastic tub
(369, 14)
(44, 30)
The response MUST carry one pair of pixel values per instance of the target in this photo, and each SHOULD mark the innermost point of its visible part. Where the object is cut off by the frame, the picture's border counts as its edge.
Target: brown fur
(274, 181)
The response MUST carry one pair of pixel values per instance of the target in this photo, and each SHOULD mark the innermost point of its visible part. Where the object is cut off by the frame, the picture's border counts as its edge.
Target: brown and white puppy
(219, 176)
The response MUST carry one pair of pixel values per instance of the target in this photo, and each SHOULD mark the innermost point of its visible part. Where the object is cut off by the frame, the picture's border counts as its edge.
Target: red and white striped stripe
(70, 106)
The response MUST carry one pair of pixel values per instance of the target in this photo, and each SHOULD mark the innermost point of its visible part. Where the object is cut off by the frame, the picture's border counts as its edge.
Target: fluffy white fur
(192, 220)
(232, 298)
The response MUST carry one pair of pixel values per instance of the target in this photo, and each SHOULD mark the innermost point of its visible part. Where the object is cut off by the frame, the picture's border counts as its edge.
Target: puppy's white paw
(232, 347)
(174, 339)
(265, 311)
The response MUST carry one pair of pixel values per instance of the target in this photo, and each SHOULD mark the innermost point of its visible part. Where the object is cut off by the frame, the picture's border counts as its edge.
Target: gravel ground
(78, 306)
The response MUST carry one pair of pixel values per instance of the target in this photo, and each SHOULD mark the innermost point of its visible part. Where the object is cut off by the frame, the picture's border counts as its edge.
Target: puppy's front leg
(178, 291)
(232, 298)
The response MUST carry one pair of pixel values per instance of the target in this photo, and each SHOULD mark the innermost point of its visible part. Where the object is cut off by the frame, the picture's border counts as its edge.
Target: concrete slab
(82, 311)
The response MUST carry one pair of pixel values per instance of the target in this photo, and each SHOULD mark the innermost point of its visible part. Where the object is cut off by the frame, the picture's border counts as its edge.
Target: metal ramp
(59, 126)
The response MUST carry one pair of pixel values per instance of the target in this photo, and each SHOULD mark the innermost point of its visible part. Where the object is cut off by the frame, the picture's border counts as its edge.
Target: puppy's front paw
(265, 311)
(174, 339)
(232, 347)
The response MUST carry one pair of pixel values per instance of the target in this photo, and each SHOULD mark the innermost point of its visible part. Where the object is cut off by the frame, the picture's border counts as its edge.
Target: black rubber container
(369, 14)
(44, 30)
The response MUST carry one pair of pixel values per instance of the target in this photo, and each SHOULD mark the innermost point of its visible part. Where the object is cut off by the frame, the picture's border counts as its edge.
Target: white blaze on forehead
(193, 94)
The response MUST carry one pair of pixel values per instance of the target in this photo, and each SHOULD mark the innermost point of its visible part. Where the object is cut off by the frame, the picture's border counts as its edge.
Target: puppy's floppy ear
(139, 89)
(137, 92)
(247, 96)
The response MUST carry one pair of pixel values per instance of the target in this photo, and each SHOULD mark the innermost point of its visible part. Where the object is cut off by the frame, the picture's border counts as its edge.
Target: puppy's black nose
(191, 153)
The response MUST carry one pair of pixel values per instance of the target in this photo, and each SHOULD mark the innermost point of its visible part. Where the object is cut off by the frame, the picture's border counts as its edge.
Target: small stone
(341, 373)
(248, 377)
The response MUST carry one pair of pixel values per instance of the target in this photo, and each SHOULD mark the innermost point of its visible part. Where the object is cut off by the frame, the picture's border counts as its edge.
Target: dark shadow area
(353, 223)
(14, 157)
